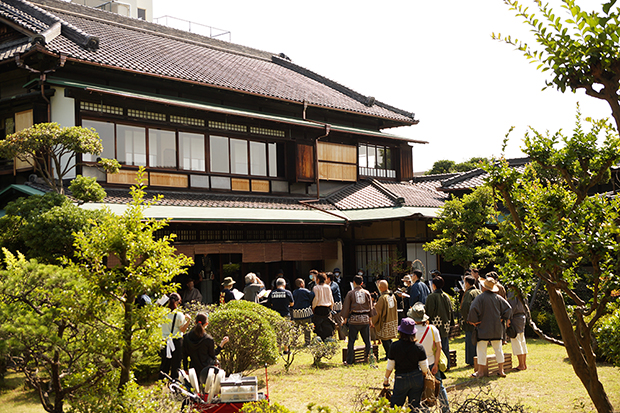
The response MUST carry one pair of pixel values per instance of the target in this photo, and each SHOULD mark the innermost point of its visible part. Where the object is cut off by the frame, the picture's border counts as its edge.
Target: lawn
(549, 384)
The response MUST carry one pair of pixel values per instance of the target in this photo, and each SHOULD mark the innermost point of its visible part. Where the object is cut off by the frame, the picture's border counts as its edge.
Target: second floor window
(243, 157)
(376, 161)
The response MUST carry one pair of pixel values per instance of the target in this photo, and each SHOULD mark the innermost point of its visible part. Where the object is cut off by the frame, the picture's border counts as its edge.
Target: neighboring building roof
(476, 177)
(94, 36)
(12, 192)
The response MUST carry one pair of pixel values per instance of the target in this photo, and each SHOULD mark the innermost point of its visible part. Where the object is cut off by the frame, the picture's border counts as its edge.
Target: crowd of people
(363, 306)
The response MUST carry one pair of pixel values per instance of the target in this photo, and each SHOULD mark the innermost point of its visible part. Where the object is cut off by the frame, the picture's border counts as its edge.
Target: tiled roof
(476, 177)
(370, 194)
(151, 49)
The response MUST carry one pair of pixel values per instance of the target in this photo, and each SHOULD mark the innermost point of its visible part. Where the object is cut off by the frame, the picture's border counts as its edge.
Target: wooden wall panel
(123, 177)
(406, 163)
(238, 184)
(334, 152)
(171, 180)
(337, 172)
(305, 162)
(260, 186)
(187, 250)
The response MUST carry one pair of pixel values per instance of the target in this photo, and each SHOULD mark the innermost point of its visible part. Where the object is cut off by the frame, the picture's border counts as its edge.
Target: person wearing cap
(227, 295)
(403, 293)
(418, 292)
(487, 312)
(428, 337)
(439, 310)
(172, 331)
(386, 319)
(253, 286)
(471, 292)
(408, 360)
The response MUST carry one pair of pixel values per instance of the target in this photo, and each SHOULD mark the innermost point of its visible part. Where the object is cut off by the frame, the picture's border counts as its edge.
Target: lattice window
(96, 107)
(269, 132)
(227, 126)
(187, 121)
(143, 114)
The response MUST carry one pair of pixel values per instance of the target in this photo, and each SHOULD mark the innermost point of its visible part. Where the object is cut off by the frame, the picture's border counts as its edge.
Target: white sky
(433, 58)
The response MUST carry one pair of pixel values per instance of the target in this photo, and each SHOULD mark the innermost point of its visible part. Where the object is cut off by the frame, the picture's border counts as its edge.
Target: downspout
(316, 147)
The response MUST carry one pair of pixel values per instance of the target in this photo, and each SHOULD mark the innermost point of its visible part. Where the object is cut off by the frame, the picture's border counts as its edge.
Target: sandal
(500, 374)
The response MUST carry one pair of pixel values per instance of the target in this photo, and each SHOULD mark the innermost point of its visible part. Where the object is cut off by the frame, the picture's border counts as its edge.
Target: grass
(549, 384)
(16, 397)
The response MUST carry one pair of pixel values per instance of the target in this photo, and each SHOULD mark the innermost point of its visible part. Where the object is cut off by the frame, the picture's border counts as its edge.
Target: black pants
(171, 366)
(364, 330)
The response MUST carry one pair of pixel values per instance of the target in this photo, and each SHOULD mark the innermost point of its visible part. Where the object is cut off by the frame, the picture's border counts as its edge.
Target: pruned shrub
(323, 349)
(252, 339)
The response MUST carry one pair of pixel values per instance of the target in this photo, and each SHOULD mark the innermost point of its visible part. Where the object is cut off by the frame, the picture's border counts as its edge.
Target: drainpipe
(316, 147)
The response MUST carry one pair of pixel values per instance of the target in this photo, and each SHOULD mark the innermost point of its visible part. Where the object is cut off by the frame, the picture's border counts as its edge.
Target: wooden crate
(452, 358)
(455, 331)
(359, 353)
(492, 363)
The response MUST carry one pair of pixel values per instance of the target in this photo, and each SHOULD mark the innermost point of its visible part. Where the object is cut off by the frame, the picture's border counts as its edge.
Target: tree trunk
(586, 372)
(127, 342)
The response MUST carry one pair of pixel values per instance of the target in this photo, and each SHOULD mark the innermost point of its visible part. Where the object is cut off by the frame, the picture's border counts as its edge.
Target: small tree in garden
(463, 233)
(323, 349)
(48, 323)
(49, 149)
(558, 232)
(291, 336)
(145, 265)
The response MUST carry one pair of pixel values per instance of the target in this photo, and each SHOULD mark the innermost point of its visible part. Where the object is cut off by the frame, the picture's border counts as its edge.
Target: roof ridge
(366, 100)
(156, 29)
(398, 200)
(462, 176)
(74, 34)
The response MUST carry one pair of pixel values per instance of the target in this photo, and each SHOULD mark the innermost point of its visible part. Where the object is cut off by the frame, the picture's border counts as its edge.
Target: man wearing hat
(428, 336)
(227, 295)
(487, 312)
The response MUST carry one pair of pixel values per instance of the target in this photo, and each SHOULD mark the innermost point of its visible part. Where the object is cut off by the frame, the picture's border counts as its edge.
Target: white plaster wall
(426, 261)
(337, 263)
(63, 113)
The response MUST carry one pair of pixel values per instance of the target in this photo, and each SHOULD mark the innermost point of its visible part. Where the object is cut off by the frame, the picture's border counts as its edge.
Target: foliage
(463, 233)
(132, 398)
(42, 226)
(290, 336)
(581, 51)
(50, 148)
(145, 265)
(263, 406)
(381, 405)
(559, 233)
(445, 166)
(86, 189)
(323, 349)
(49, 324)
(608, 338)
(252, 343)
(272, 317)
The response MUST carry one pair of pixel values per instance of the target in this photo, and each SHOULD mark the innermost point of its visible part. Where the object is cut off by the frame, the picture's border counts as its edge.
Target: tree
(582, 52)
(463, 232)
(145, 265)
(558, 232)
(49, 328)
(445, 166)
(42, 226)
(49, 149)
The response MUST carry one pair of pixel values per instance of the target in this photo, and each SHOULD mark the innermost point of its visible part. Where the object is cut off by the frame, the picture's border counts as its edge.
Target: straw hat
(228, 281)
(490, 284)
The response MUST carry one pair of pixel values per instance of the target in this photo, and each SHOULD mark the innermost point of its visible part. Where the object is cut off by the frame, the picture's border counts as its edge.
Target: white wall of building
(63, 113)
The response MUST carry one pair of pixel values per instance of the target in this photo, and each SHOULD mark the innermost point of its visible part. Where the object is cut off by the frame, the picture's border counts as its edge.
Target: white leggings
(481, 349)
(519, 346)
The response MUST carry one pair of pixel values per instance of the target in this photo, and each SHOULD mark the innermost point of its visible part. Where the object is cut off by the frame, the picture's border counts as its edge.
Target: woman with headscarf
(408, 359)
